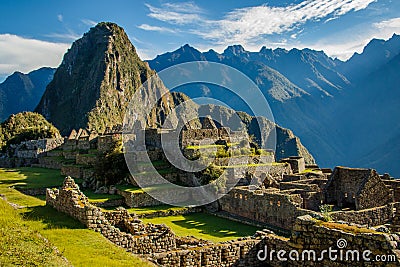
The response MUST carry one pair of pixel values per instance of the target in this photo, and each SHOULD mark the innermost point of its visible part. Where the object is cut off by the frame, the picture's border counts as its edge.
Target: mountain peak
(234, 50)
(96, 78)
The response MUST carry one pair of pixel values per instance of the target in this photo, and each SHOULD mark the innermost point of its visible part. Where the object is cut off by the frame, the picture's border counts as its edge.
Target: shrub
(326, 210)
(223, 153)
(25, 126)
(111, 167)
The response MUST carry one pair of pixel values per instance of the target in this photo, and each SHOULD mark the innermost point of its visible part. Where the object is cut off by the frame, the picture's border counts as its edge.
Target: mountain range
(344, 112)
(99, 75)
(22, 92)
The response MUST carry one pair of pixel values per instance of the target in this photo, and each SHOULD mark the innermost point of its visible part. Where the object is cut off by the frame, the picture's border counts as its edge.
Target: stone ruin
(160, 245)
(356, 188)
(355, 195)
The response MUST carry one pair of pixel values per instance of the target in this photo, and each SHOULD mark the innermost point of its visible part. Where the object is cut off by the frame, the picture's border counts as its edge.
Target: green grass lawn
(21, 245)
(135, 189)
(81, 246)
(27, 177)
(205, 226)
(153, 209)
(95, 198)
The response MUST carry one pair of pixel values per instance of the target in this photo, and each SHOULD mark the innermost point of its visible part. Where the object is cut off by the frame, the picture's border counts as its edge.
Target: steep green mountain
(100, 74)
(25, 126)
(95, 81)
(22, 92)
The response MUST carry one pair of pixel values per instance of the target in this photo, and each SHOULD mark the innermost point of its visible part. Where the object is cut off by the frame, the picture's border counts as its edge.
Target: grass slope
(205, 226)
(21, 245)
(81, 246)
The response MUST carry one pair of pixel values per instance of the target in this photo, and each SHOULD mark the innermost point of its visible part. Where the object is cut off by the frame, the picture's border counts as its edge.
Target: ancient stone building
(357, 189)
(296, 163)
(33, 149)
(159, 244)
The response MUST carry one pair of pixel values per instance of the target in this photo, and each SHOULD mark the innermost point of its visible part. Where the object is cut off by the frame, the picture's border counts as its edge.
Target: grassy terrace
(204, 146)
(21, 245)
(205, 226)
(134, 189)
(150, 210)
(254, 165)
(82, 247)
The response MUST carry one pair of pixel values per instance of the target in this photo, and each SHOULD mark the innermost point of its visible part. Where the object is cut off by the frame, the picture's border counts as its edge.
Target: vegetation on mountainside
(111, 167)
(25, 126)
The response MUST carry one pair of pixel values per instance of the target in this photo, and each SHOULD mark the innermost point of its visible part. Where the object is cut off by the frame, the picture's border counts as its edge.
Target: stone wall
(138, 199)
(17, 162)
(86, 159)
(160, 244)
(35, 148)
(267, 206)
(394, 185)
(371, 217)
(194, 136)
(165, 213)
(296, 163)
(50, 162)
(77, 171)
(309, 234)
(276, 171)
(133, 235)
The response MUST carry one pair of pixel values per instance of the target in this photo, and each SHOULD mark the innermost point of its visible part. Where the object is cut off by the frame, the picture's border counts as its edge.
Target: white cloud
(342, 47)
(388, 26)
(182, 13)
(60, 18)
(89, 22)
(21, 54)
(147, 27)
(251, 24)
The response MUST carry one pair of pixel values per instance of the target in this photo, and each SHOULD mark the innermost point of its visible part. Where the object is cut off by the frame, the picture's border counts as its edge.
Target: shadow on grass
(214, 226)
(51, 218)
(100, 197)
(27, 177)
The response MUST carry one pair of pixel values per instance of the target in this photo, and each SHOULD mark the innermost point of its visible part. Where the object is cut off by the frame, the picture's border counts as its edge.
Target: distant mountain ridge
(344, 112)
(100, 74)
(325, 101)
(22, 92)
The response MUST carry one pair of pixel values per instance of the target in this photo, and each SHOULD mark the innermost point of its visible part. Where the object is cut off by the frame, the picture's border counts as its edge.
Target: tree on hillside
(25, 126)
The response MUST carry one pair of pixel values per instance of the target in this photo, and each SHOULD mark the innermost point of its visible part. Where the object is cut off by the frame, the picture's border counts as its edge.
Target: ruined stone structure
(117, 226)
(36, 148)
(160, 244)
(357, 188)
(369, 200)
(296, 163)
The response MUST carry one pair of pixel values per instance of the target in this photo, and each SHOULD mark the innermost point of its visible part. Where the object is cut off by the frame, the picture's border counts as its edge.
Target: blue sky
(38, 33)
